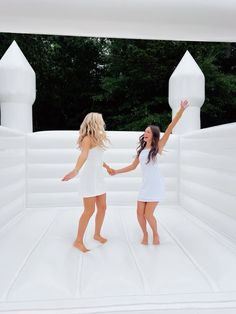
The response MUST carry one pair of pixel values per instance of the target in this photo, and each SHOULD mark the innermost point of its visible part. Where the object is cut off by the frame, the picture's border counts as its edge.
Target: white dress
(91, 175)
(152, 188)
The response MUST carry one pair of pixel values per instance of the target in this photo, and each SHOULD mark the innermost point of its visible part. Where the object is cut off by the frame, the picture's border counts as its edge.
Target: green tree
(136, 81)
(126, 80)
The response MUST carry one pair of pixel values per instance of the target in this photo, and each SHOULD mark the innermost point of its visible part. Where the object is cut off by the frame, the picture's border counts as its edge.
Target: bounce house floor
(191, 271)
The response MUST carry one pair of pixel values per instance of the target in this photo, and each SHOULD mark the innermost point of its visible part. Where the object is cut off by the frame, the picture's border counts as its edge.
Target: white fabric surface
(195, 20)
(193, 269)
(91, 176)
(153, 186)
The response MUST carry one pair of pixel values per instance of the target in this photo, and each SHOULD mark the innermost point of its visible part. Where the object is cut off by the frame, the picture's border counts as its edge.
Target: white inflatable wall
(12, 174)
(40, 271)
(199, 171)
(52, 154)
(208, 177)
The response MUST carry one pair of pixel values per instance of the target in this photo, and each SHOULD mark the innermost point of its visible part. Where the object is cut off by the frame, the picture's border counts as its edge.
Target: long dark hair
(154, 144)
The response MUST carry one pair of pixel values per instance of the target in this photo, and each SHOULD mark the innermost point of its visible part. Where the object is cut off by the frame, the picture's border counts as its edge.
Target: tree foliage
(126, 80)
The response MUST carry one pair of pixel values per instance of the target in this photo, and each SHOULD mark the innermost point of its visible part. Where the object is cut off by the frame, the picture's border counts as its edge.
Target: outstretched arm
(165, 137)
(130, 167)
(80, 161)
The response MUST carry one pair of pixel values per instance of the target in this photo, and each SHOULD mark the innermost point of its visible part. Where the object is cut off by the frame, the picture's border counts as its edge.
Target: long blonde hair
(93, 126)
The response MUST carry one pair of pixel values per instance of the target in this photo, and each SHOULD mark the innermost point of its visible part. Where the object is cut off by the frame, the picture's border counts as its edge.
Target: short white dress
(91, 175)
(152, 188)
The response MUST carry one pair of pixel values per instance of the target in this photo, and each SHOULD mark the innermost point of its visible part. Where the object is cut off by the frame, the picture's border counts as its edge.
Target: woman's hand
(70, 175)
(183, 104)
(113, 172)
(109, 170)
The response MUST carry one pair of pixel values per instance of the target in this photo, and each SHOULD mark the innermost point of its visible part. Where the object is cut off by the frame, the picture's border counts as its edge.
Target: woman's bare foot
(99, 238)
(145, 239)
(156, 240)
(80, 246)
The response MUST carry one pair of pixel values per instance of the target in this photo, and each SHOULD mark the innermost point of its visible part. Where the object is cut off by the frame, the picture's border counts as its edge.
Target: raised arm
(165, 137)
(130, 167)
(85, 146)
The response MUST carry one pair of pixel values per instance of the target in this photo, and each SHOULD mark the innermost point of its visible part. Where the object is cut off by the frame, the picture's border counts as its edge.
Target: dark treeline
(125, 80)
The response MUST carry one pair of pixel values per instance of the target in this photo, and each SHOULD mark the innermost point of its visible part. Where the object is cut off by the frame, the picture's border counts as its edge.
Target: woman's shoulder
(86, 140)
(86, 143)
(90, 143)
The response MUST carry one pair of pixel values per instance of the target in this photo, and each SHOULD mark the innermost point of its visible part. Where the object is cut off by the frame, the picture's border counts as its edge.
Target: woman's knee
(89, 212)
(102, 208)
(148, 215)
(140, 214)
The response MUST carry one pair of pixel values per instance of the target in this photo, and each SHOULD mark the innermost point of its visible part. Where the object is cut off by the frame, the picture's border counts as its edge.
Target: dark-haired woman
(152, 189)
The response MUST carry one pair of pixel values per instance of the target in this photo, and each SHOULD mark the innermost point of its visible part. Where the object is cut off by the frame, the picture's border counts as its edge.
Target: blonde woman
(89, 165)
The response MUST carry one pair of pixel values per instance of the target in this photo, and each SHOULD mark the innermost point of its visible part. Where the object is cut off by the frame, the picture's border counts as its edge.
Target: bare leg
(89, 207)
(142, 221)
(101, 209)
(149, 210)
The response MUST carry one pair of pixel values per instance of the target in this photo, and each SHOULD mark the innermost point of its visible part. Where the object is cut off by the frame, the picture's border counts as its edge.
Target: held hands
(69, 175)
(111, 171)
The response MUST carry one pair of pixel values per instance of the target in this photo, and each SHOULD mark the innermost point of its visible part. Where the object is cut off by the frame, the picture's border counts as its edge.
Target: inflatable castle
(193, 270)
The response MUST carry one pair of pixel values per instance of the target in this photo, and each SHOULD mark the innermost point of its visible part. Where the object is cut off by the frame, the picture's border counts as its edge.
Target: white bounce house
(193, 270)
